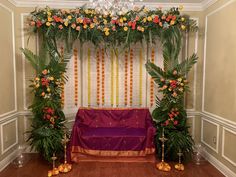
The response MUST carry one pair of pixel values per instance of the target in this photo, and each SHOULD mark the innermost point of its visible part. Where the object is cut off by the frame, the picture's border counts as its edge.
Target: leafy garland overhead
(87, 25)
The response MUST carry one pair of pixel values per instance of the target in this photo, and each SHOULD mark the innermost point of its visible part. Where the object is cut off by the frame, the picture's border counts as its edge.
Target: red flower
(173, 84)
(156, 19)
(130, 23)
(57, 19)
(39, 23)
(113, 21)
(133, 25)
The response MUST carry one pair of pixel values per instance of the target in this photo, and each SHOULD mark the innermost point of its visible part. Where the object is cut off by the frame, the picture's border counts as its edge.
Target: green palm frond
(185, 66)
(37, 62)
(171, 40)
(156, 72)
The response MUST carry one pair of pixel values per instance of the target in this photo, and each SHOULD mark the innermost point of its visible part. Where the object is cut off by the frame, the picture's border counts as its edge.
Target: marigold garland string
(112, 78)
(140, 76)
(62, 85)
(103, 77)
(131, 77)
(152, 82)
(117, 78)
(76, 76)
(126, 77)
(89, 77)
(98, 77)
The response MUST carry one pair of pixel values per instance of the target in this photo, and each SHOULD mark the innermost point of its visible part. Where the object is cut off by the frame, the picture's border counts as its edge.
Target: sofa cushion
(115, 138)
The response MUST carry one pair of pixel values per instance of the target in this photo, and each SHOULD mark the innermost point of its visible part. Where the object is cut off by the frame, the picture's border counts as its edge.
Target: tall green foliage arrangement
(170, 114)
(47, 124)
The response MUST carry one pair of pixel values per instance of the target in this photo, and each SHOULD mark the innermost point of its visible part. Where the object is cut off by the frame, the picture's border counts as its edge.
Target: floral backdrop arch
(116, 32)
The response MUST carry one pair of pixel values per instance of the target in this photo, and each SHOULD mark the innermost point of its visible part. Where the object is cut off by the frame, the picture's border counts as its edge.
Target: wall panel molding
(217, 134)
(223, 145)
(6, 161)
(220, 166)
(13, 61)
(2, 135)
(212, 115)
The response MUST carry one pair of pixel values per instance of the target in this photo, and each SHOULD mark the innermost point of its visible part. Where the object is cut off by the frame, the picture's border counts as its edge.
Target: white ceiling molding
(77, 3)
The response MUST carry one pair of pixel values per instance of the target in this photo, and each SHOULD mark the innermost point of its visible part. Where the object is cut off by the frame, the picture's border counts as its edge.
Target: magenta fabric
(113, 129)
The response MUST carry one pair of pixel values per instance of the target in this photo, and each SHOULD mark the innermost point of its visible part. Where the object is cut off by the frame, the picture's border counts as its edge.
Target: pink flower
(176, 122)
(167, 122)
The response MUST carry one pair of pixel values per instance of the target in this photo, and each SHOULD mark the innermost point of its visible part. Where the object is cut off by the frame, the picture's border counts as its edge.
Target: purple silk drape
(112, 132)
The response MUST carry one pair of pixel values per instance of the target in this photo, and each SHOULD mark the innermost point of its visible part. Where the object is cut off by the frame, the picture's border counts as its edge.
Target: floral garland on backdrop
(87, 24)
(119, 30)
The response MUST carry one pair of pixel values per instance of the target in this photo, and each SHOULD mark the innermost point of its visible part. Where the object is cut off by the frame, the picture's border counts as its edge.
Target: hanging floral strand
(98, 77)
(112, 77)
(152, 82)
(62, 85)
(140, 76)
(103, 77)
(126, 77)
(89, 77)
(76, 76)
(131, 77)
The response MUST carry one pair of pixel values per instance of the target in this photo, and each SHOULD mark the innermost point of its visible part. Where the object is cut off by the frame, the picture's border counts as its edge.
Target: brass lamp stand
(54, 170)
(179, 166)
(65, 167)
(163, 166)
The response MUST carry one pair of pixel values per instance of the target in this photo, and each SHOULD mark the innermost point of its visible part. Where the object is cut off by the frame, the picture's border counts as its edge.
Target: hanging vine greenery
(120, 30)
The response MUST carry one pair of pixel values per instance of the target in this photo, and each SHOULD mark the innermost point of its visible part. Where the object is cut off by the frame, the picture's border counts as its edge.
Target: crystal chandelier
(113, 6)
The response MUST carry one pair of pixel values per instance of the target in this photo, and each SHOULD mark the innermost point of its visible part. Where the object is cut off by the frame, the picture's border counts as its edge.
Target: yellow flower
(124, 19)
(181, 7)
(105, 21)
(51, 78)
(49, 19)
(66, 23)
(37, 85)
(183, 27)
(180, 79)
(37, 79)
(85, 26)
(145, 10)
(49, 13)
(144, 19)
(48, 23)
(48, 90)
(86, 11)
(107, 33)
(125, 28)
(172, 22)
(142, 29)
(149, 18)
(121, 20)
(182, 19)
(106, 29)
(69, 17)
(92, 25)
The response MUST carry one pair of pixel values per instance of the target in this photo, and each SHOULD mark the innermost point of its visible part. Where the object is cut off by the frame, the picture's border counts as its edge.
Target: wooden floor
(36, 167)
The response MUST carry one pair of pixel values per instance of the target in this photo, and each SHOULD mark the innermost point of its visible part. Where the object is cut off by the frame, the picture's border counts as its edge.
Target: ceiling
(189, 5)
(175, 1)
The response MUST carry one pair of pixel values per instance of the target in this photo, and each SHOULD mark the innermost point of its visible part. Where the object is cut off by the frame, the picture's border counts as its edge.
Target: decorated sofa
(112, 132)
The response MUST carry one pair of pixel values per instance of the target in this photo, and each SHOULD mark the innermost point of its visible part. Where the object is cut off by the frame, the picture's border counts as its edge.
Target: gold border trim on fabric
(78, 149)
(112, 108)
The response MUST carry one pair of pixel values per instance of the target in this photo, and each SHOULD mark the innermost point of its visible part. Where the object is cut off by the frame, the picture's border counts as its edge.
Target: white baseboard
(220, 166)
(6, 161)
